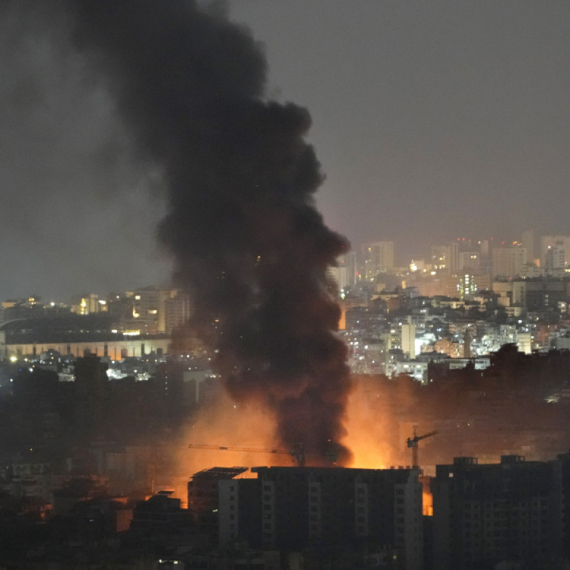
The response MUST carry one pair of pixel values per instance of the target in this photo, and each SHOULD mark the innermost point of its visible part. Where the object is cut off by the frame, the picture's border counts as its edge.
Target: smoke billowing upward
(242, 226)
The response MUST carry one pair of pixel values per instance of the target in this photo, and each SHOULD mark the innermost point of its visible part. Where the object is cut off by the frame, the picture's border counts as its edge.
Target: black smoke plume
(248, 242)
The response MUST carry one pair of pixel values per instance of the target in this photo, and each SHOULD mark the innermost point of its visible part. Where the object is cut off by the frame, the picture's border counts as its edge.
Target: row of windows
(477, 553)
(505, 504)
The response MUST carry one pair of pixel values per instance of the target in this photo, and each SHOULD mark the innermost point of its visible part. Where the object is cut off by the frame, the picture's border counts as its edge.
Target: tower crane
(413, 445)
(297, 453)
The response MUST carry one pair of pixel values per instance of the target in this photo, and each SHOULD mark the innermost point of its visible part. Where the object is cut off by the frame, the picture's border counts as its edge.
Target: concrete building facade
(484, 515)
(508, 261)
(313, 507)
(114, 349)
(378, 257)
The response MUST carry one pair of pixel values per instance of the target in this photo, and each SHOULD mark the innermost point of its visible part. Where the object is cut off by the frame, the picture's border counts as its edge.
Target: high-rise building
(203, 496)
(339, 275)
(91, 392)
(528, 241)
(441, 257)
(149, 308)
(178, 310)
(484, 248)
(304, 506)
(555, 257)
(548, 242)
(468, 260)
(487, 514)
(409, 340)
(508, 261)
(468, 285)
(378, 257)
(120, 308)
(445, 258)
(454, 257)
(349, 261)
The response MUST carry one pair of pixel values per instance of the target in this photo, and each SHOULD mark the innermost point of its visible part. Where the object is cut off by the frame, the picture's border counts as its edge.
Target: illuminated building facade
(445, 258)
(408, 343)
(378, 257)
(114, 349)
(88, 304)
(149, 309)
(203, 498)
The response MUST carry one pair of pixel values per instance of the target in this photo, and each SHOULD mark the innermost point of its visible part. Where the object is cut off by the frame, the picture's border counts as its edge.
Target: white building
(508, 261)
(409, 340)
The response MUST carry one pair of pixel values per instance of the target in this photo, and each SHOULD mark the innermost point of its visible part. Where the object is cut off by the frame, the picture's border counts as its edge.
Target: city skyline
(178, 180)
(459, 129)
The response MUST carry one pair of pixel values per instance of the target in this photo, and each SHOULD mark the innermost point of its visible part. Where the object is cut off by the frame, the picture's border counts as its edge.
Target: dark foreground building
(203, 499)
(513, 512)
(296, 508)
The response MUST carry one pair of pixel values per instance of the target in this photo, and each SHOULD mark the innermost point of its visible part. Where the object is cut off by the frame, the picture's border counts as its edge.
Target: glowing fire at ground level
(238, 428)
(246, 431)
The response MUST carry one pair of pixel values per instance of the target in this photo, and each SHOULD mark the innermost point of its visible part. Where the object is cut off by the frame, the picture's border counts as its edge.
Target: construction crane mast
(413, 445)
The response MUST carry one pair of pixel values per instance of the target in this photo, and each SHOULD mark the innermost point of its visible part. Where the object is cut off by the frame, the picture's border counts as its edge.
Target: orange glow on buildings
(365, 433)
(369, 424)
(225, 423)
(427, 502)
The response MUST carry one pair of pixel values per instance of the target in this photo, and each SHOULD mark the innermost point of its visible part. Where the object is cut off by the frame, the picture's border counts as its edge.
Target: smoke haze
(247, 240)
(73, 194)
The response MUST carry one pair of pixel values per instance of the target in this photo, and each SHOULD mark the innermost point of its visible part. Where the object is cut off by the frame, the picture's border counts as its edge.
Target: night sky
(432, 120)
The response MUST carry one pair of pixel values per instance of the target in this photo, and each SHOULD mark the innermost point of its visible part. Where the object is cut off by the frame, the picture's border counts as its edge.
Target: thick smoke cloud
(76, 203)
(241, 224)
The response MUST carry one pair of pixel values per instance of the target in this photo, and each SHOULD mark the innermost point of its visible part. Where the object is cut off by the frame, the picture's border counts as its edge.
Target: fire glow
(224, 423)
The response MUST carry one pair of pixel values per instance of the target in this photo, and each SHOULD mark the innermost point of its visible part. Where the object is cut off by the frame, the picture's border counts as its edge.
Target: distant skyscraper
(454, 257)
(508, 261)
(339, 275)
(468, 285)
(555, 258)
(445, 257)
(484, 248)
(441, 257)
(149, 310)
(349, 261)
(178, 310)
(549, 242)
(378, 258)
(409, 340)
(527, 240)
(468, 260)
